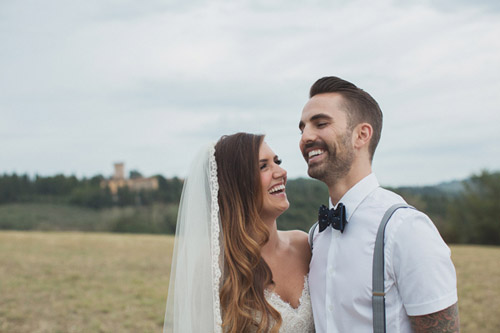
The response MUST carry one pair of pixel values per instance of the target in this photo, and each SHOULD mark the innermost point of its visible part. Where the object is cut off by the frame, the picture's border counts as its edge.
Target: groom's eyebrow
(320, 116)
(317, 116)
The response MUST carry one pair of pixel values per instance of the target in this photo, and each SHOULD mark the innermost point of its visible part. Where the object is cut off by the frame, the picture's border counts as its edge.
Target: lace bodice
(295, 320)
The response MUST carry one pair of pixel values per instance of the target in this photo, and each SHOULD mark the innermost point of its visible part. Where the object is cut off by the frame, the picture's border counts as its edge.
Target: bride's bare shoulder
(297, 239)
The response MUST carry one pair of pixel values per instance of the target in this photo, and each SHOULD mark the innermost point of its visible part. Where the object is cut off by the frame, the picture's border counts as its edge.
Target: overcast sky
(87, 83)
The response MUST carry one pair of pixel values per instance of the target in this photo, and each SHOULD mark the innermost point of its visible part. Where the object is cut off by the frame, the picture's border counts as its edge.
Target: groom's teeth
(316, 152)
(277, 188)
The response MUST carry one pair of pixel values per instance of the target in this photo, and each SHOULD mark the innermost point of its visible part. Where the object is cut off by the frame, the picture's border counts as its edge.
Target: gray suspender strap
(311, 234)
(378, 297)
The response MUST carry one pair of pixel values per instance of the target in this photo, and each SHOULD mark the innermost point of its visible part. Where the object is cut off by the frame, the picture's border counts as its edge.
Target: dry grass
(89, 282)
(78, 282)
(478, 271)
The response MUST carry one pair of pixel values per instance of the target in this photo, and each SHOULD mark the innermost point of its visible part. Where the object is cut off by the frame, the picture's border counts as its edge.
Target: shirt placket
(331, 283)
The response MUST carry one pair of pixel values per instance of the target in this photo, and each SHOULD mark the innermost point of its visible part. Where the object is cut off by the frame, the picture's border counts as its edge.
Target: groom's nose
(308, 136)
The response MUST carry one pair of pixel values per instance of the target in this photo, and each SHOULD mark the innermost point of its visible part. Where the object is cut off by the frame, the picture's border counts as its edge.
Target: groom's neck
(340, 186)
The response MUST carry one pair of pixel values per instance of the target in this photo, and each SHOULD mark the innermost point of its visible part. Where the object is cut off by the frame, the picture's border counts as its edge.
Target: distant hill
(452, 187)
(68, 203)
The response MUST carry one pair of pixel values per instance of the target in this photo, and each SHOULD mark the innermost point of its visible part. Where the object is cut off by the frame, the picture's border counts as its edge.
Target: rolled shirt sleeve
(421, 264)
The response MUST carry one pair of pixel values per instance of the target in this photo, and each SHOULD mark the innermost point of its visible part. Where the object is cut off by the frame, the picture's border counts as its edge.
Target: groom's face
(326, 141)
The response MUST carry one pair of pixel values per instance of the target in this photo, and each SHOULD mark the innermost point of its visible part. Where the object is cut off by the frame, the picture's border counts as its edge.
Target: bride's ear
(362, 135)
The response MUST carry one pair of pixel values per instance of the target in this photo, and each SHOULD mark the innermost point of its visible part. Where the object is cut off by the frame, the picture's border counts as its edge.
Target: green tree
(15, 188)
(134, 174)
(476, 213)
(91, 196)
(305, 197)
(56, 186)
(169, 190)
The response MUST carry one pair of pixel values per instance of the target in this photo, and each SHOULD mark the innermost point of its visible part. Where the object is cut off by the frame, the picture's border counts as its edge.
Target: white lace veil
(193, 303)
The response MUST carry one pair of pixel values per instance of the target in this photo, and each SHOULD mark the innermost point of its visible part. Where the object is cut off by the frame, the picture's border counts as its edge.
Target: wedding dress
(193, 303)
(295, 320)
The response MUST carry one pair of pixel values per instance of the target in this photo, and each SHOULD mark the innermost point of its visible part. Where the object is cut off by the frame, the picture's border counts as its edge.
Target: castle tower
(119, 171)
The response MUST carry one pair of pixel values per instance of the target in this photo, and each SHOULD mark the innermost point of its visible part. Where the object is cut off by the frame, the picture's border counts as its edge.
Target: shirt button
(330, 270)
(330, 308)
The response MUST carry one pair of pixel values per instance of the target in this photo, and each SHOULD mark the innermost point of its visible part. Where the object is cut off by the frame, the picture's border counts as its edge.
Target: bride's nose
(280, 173)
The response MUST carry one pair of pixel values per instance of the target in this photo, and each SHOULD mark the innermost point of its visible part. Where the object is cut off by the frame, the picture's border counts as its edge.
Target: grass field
(156, 218)
(91, 282)
(83, 282)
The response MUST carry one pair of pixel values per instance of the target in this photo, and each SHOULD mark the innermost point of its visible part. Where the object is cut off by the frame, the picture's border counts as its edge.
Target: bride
(232, 270)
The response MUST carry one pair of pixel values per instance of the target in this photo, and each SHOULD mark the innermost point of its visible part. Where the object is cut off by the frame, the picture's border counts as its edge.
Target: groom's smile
(314, 153)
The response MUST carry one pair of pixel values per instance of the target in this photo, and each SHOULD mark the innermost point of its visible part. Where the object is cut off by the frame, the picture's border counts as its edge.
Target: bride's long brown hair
(246, 274)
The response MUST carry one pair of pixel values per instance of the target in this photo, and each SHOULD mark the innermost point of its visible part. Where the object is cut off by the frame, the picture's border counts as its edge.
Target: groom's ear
(362, 135)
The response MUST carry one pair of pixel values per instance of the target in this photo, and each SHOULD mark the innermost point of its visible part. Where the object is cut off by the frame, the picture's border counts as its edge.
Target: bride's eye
(263, 166)
(278, 161)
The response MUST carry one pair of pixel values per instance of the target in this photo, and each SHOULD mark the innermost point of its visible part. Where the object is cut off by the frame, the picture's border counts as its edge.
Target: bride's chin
(275, 213)
(284, 208)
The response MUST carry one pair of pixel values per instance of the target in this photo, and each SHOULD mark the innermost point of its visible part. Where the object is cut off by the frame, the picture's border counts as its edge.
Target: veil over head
(193, 303)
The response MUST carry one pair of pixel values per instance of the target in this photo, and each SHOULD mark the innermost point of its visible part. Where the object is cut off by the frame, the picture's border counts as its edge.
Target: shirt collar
(356, 194)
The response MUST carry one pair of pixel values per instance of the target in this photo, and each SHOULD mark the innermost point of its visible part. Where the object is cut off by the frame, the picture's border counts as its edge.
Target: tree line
(86, 192)
(464, 212)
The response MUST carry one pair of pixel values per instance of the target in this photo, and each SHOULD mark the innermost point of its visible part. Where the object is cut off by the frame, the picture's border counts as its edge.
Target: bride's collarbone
(288, 282)
(289, 289)
(287, 265)
(289, 268)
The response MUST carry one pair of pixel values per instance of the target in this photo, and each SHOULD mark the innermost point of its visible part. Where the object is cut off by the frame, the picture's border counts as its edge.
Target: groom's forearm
(442, 321)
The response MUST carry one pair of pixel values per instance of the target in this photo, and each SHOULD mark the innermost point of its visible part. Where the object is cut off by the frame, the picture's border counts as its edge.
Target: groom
(341, 126)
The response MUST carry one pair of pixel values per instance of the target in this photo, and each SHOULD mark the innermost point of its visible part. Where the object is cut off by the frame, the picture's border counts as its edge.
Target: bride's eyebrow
(267, 160)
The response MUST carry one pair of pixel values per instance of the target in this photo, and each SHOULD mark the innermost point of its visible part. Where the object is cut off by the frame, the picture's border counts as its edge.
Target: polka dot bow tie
(334, 217)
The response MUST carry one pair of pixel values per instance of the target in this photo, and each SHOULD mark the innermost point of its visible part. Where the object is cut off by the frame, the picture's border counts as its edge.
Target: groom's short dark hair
(360, 106)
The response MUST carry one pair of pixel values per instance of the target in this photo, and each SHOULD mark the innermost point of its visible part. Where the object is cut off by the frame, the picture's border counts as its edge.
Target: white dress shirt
(419, 275)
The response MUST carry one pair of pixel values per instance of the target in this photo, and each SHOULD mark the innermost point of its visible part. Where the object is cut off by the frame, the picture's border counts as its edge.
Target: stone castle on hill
(135, 184)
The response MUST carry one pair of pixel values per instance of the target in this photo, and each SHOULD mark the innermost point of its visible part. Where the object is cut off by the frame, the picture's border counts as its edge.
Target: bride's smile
(273, 183)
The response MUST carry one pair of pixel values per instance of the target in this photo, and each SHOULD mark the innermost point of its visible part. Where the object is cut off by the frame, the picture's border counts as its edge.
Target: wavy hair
(246, 274)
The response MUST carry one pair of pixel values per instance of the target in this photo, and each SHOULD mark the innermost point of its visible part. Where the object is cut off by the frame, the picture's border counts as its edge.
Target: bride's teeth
(277, 188)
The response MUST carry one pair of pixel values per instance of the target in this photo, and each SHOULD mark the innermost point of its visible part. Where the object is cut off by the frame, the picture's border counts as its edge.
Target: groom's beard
(337, 163)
